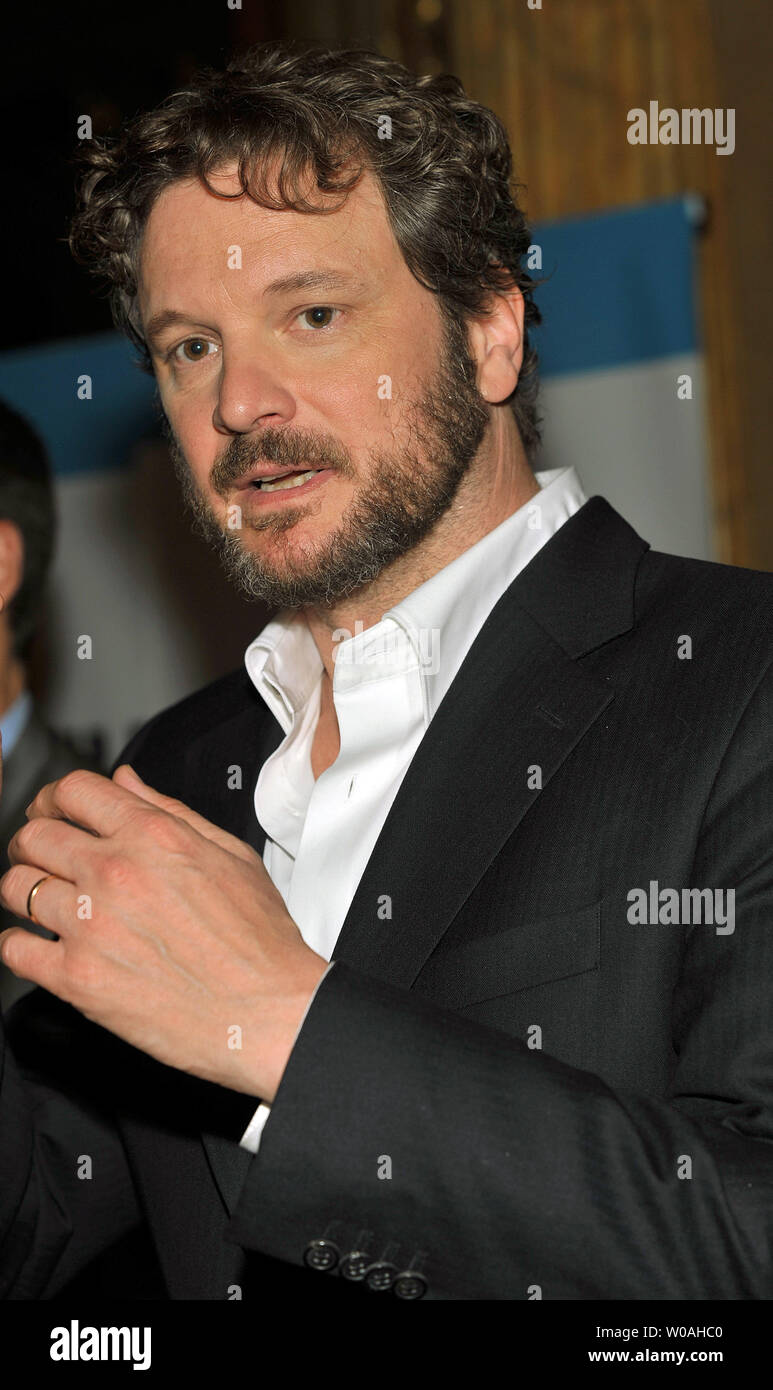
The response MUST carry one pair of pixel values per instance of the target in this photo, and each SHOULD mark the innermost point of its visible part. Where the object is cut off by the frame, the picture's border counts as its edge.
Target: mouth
(283, 483)
(279, 482)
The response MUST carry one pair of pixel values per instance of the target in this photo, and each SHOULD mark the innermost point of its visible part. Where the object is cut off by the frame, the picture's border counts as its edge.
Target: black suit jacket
(505, 1078)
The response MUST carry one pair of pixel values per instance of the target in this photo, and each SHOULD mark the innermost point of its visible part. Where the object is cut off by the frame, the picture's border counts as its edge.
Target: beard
(406, 493)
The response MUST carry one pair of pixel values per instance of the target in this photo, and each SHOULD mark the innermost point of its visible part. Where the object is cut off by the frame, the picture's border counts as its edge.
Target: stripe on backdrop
(94, 435)
(619, 335)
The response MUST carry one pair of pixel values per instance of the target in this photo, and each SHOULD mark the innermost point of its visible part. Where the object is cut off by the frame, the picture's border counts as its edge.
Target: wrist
(260, 1063)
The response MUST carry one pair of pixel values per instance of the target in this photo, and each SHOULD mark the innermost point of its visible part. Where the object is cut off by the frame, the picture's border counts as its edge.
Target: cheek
(192, 424)
(347, 389)
(378, 394)
(362, 412)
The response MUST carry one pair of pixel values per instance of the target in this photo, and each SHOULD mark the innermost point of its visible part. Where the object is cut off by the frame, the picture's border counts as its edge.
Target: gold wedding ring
(31, 897)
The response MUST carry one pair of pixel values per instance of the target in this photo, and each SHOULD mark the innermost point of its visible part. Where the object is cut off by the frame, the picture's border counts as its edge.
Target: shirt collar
(440, 619)
(444, 615)
(284, 665)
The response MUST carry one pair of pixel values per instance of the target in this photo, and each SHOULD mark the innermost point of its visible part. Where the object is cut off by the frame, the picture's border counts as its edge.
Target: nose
(250, 395)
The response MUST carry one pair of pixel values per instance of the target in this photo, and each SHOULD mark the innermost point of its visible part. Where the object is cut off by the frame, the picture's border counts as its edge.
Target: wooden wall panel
(743, 33)
(563, 79)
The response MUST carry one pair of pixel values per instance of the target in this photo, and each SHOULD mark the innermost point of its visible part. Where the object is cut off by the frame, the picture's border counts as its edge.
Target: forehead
(190, 233)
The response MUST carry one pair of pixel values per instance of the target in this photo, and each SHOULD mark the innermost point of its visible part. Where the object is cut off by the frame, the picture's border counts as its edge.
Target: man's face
(353, 377)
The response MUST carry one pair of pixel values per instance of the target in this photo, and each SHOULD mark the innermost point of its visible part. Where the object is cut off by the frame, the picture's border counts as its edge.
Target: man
(488, 730)
(33, 754)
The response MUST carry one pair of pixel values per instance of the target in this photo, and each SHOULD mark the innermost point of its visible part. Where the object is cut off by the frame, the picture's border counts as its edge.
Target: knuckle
(28, 836)
(116, 872)
(12, 885)
(76, 779)
(10, 952)
(167, 832)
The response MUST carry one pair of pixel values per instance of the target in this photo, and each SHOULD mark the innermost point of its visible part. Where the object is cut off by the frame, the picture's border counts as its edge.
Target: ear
(496, 342)
(11, 560)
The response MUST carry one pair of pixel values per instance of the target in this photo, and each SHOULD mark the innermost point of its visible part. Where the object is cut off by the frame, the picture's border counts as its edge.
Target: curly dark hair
(444, 169)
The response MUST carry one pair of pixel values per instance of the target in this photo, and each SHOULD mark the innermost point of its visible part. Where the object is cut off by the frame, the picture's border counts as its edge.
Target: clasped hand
(170, 931)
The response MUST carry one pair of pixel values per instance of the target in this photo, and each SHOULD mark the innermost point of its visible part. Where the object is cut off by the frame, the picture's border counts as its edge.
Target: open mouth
(279, 481)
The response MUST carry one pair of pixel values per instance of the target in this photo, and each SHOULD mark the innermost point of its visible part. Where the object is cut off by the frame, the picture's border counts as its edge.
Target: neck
(498, 483)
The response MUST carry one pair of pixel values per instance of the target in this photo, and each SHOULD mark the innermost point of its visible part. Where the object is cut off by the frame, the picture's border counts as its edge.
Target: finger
(127, 777)
(32, 957)
(53, 845)
(56, 904)
(88, 799)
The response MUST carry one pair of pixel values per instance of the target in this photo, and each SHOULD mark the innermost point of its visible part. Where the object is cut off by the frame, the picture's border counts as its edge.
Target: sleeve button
(381, 1276)
(354, 1266)
(322, 1255)
(410, 1285)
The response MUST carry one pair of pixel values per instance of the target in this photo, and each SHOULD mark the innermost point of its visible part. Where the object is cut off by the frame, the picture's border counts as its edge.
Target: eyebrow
(313, 280)
(286, 284)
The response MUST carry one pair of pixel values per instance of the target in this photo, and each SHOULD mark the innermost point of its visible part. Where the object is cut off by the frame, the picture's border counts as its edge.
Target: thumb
(125, 776)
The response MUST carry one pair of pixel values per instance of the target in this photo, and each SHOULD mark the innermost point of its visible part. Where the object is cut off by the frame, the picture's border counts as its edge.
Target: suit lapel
(245, 741)
(518, 705)
(234, 751)
(518, 701)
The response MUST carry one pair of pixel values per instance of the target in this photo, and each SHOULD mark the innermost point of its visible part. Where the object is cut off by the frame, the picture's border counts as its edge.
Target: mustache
(286, 448)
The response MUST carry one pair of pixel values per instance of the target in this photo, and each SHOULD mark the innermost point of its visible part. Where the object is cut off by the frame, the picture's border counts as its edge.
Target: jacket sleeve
(518, 1176)
(66, 1192)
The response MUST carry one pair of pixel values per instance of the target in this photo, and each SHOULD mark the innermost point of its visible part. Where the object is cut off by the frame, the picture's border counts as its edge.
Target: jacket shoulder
(711, 573)
(172, 731)
(731, 605)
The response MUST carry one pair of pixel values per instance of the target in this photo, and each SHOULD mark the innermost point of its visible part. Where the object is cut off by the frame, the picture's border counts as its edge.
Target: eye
(323, 309)
(197, 351)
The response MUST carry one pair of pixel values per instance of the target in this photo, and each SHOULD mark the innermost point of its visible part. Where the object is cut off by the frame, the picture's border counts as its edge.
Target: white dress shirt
(388, 681)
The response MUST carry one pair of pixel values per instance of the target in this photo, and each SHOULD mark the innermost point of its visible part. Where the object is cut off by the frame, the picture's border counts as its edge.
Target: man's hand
(171, 933)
